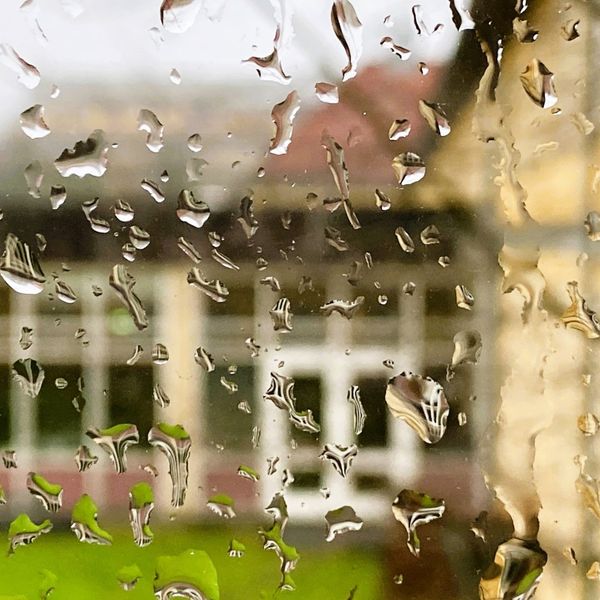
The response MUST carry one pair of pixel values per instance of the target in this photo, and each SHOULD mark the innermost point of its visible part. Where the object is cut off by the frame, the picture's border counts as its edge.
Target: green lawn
(324, 572)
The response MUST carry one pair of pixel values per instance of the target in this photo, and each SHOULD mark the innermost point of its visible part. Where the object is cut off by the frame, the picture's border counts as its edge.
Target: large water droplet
(115, 441)
(190, 575)
(421, 403)
(340, 457)
(281, 316)
(153, 189)
(123, 283)
(204, 359)
(345, 308)
(26, 73)
(141, 504)
(29, 374)
(214, 289)
(409, 168)
(401, 52)
(148, 122)
(89, 157)
(49, 494)
(222, 505)
(32, 122)
(538, 82)
(283, 115)
(23, 531)
(435, 117)
(400, 128)
(413, 509)
(84, 523)
(176, 444)
(84, 459)
(358, 412)
(342, 520)
(20, 268)
(191, 211)
(348, 30)
(58, 195)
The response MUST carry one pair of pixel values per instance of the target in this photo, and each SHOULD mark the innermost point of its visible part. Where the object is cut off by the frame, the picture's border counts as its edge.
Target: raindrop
(342, 520)
(593, 572)
(230, 386)
(175, 443)
(123, 283)
(479, 525)
(26, 73)
(58, 195)
(281, 316)
(382, 201)
(64, 292)
(461, 419)
(137, 353)
(84, 523)
(421, 403)
(193, 168)
(89, 157)
(33, 178)
(359, 414)
(214, 289)
(340, 457)
(148, 122)
(430, 235)
(435, 117)
(467, 348)
(191, 211)
(189, 249)
(141, 504)
(464, 298)
(22, 531)
(588, 424)
(97, 224)
(400, 128)
(538, 82)
(160, 354)
(84, 459)
(223, 260)
(348, 30)
(248, 473)
(404, 239)
(524, 32)
(413, 509)
(592, 225)
(191, 575)
(423, 68)
(123, 211)
(272, 282)
(269, 67)
(175, 77)
(139, 237)
(327, 92)
(153, 189)
(419, 23)
(236, 549)
(409, 168)
(246, 218)
(29, 374)
(222, 505)
(54, 91)
(178, 16)
(115, 441)
(128, 577)
(283, 115)
(160, 396)
(26, 338)
(49, 494)
(32, 122)
(401, 52)
(569, 30)
(9, 459)
(204, 359)
(333, 237)
(345, 308)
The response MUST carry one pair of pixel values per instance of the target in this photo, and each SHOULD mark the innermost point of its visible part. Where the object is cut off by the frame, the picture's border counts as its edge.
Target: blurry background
(100, 64)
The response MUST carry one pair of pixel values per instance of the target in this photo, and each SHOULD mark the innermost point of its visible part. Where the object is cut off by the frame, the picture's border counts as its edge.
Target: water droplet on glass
(401, 52)
(230, 386)
(137, 353)
(404, 239)
(160, 396)
(128, 577)
(248, 473)
(115, 441)
(191, 211)
(569, 30)
(175, 76)
(359, 414)
(333, 237)
(204, 359)
(84, 459)
(141, 505)
(283, 115)
(22, 531)
(593, 572)
(419, 22)
(516, 571)
(269, 67)
(421, 403)
(222, 505)
(578, 315)
(409, 168)
(84, 523)
(524, 32)
(175, 443)
(26, 73)
(64, 292)
(29, 374)
(281, 316)
(26, 338)
(32, 122)
(58, 195)
(345, 308)
(49, 494)
(191, 575)
(348, 29)
(246, 218)
(123, 211)
(467, 348)
(236, 549)
(9, 459)
(148, 122)
(34, 176)
(588, 424)
(214, 289)
(538, 82)
(464, 298)
(189, 249)
(153, 190)
(123, 283)
(423, 68)
(400, 128)
(342, 520)
(327, 92)
(89, 157)
(340, 457)
(413, 509)
(435, 117)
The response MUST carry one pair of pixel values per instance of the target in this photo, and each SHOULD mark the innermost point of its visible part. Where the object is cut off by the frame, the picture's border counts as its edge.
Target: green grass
(324, 572)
